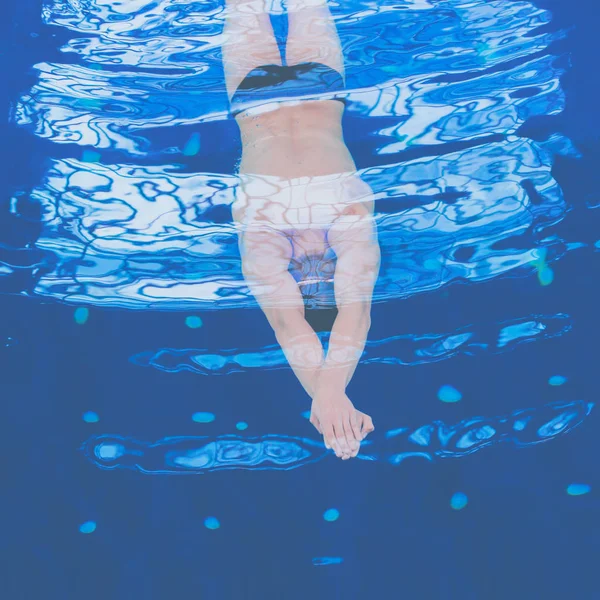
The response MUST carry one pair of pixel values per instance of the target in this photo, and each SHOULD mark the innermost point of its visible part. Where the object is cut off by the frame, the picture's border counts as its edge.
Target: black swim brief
(275, 82)
(321, 319)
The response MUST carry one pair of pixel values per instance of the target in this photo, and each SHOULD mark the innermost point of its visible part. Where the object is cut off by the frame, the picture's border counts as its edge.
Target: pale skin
(298, 141)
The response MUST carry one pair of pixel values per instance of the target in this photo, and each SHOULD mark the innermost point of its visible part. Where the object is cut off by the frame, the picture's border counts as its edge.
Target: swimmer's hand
(341, 425)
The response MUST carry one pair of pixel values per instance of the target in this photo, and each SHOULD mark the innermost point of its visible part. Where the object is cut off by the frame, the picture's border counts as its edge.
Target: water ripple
(456, 70)
(406, 349)
(203, 454)
(460, 197)
(136, 236)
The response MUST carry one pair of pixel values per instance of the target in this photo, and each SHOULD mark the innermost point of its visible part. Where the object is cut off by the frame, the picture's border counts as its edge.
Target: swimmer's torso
(296, 179)
(293, 141)
(297, 176)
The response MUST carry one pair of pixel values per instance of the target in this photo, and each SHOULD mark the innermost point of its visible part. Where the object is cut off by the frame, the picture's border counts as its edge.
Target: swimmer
(300, 200)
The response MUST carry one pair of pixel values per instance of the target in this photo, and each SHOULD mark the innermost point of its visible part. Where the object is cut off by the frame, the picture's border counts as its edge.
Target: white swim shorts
(300, 202)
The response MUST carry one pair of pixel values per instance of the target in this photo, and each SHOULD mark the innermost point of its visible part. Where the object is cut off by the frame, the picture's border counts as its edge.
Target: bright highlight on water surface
(87, 527)
(81, 315)
(331, 514)
(193, 322)
(110, 451)
(458, 501)
(447, 393)
(557, 380)
(241, 426)
(212, 523)
(203, 417)
(90, 417)
(578, 489)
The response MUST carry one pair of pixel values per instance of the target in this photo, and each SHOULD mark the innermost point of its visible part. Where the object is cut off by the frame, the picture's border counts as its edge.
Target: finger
(352, 441)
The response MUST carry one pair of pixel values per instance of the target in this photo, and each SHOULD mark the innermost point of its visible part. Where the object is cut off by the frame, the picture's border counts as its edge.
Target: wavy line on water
(407, 349)
(456, 70)
(462, 198)
(205, 454)
(135, 237)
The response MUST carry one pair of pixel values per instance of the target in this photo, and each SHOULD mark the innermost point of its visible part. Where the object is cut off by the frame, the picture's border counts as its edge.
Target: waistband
(293, 181)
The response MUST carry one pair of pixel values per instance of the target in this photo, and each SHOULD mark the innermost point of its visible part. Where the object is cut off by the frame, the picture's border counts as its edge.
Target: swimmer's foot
(365, 424)
(342, 426)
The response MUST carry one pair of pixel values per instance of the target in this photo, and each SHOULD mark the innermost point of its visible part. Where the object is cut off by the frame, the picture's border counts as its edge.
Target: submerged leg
(312, 35)
(249, 40)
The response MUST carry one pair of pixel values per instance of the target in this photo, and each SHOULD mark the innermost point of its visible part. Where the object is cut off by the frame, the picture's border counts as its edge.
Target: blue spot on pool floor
(90, 156)
(557, 380)
(81, 315)
(546, 276)
(90, 417)
(331, 514)
(458, 501)
(193, 322)
(192, 146)
(578, 489)
(203, 417)
(449, 394)
(320, 561)
(212, 523)
(87, 527)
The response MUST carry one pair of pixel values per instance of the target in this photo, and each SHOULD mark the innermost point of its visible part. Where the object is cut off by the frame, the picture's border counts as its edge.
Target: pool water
(157, 445)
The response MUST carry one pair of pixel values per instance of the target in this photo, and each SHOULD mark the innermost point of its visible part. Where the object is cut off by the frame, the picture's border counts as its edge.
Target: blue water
(132, 352)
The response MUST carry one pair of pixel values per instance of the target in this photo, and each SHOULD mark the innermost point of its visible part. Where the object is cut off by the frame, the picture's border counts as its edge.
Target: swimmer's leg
(312, 35)
(266, 256)
(249, 41)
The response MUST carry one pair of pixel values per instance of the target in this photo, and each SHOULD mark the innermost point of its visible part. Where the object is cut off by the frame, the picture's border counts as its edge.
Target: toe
(343, 445)
(353, 434)
(340, 435)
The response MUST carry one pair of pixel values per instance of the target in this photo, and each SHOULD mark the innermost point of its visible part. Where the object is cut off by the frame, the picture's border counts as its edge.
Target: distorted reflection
(432, 441)
(304, 216)
(408, 349)
(463, 193)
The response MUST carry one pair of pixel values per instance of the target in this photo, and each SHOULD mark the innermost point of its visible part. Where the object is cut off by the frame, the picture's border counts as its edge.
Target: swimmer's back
(294, 141)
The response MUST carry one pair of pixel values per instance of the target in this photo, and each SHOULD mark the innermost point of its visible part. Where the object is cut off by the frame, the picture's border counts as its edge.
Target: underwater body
(134, 351)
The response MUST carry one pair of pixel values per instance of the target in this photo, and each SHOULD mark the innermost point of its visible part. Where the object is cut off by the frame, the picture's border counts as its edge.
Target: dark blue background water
(521, 535)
